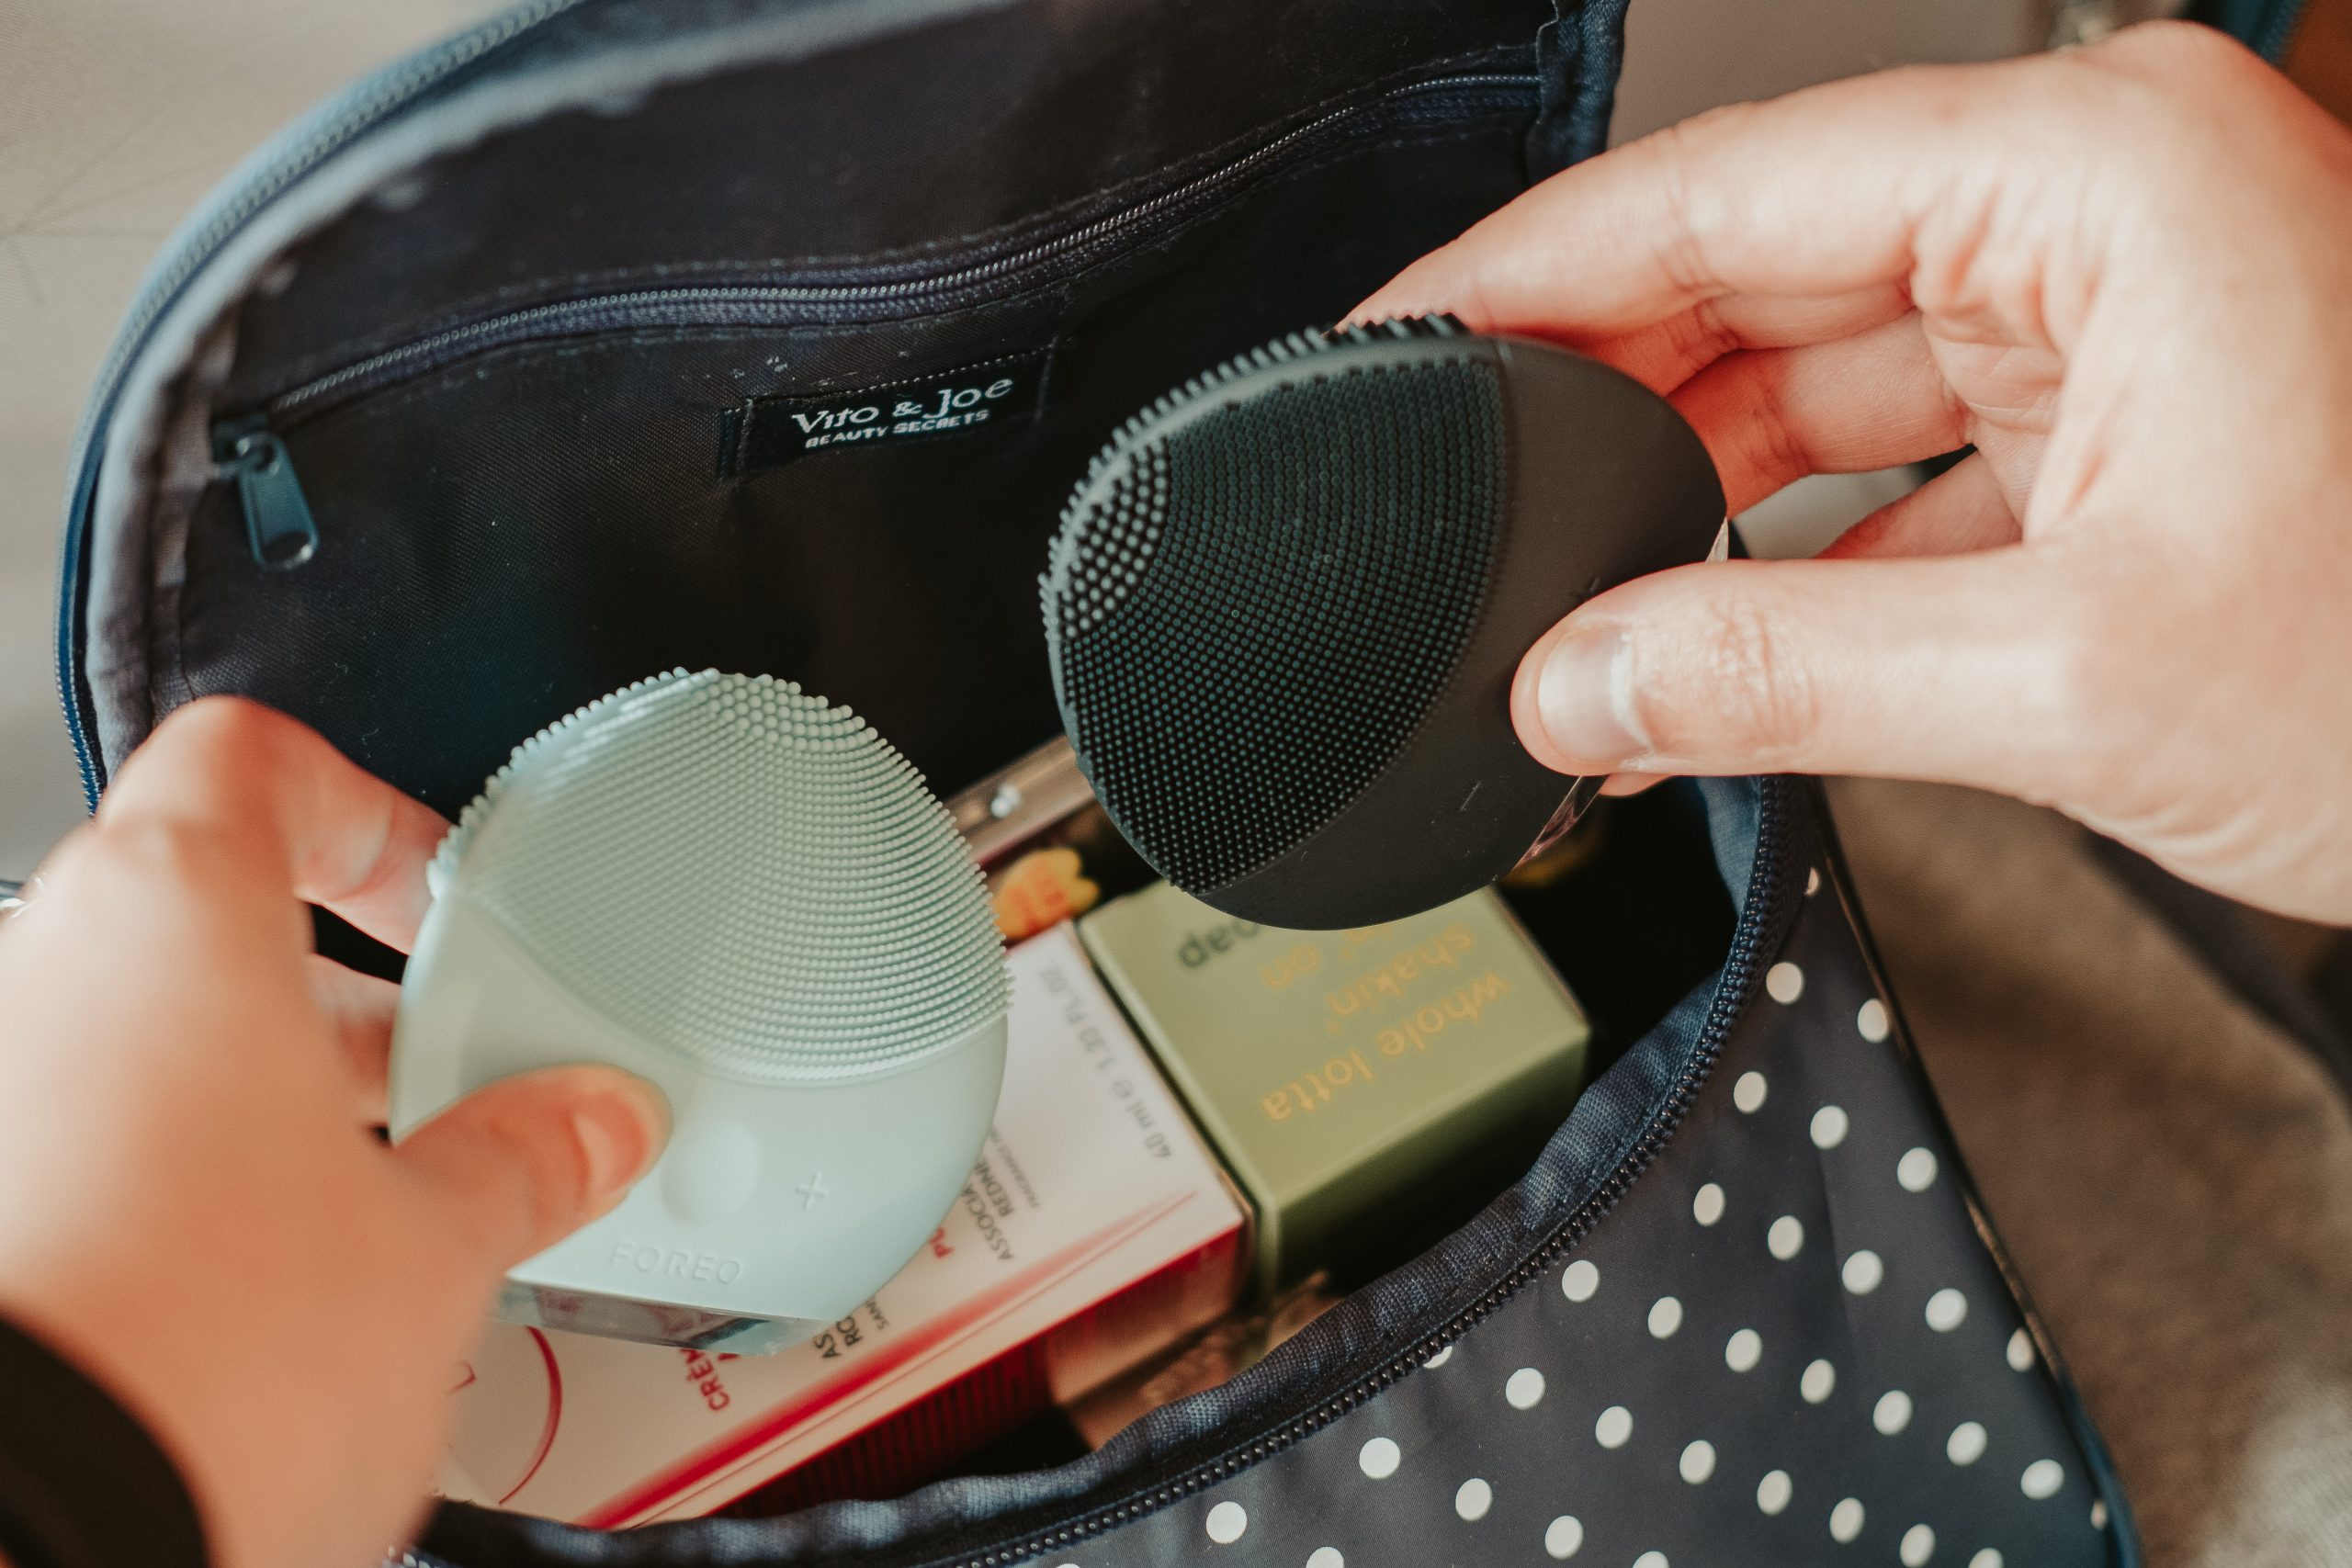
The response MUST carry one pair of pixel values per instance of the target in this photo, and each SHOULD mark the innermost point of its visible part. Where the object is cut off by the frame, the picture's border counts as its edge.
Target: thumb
(520, 1164)
(1953, 667)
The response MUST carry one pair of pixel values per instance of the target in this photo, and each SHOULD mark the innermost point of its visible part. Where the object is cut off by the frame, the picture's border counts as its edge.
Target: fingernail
(621, 1132)
(1584, 695)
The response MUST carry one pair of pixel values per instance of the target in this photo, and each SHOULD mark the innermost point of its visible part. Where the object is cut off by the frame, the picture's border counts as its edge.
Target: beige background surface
(116, 115)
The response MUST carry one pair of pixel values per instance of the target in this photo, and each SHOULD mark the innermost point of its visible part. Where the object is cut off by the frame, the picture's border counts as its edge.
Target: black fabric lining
(976, 245)
(894, 144)
(944, 306)
(536, 526)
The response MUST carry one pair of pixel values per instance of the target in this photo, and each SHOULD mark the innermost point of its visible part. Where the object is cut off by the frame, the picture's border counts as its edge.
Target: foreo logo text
(676, 1263)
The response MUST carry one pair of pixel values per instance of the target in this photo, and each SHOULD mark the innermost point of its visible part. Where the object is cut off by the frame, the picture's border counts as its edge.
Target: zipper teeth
(335, 129)
(1756, 923)
(2280, 36)
(520, 325)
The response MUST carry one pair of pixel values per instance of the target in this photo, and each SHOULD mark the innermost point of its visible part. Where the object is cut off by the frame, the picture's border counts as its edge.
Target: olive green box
(1354, 1081)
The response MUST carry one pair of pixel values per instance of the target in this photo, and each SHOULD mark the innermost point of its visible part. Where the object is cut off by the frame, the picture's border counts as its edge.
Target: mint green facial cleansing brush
(744, 895)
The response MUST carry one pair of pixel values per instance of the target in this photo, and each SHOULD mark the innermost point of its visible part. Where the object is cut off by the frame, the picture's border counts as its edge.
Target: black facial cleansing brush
(1286, 604)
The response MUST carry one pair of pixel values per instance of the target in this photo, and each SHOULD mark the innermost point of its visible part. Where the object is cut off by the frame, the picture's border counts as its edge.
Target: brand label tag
(768, 433)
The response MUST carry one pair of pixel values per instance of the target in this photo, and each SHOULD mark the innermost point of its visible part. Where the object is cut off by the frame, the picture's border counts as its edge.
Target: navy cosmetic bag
(490, 388)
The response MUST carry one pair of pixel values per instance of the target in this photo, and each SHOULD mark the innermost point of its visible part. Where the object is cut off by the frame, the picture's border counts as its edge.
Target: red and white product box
(1095, 1230)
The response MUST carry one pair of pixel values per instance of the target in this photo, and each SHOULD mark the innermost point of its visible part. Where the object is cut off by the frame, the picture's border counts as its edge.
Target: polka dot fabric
(1690, 1384)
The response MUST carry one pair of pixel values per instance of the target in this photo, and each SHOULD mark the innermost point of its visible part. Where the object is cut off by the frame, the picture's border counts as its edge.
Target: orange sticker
(1042, 888)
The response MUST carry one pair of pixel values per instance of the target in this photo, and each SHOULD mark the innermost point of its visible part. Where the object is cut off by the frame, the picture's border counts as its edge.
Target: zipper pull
(278, 526)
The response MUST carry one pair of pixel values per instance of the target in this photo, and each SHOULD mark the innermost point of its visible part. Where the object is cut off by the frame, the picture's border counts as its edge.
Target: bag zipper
(279, 529)
(1761, 922)
(276, 516)
(795, 301)
(270, 514)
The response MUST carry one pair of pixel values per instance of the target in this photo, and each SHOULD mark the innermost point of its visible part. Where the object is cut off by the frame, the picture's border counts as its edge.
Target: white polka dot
(1666, 1317)
(1829, 1124)
(1226, 1521)
(1946, 1310)
(1863, 1272)
(1893, 1412)
(1870, 1021)
(1379, 1458)
(1524, 1389)
(1988, 1558)
(1918, 1545)
(2099, 1515)
(1812, 880)
(1650, 1560)
(1441, 1358)
(1707, 1205)
(1326, 1557)
(1616, 1424)
(2020, 1351)
(2041, 1479)
(1749, 1091)
(1917, 1170)
(1772, 1493)
(1966, 1444)
(1786, 1238)
(1580, 1279)
(1472, 1499)
(1563, 1536)
(1845, 1520)
(1784, 982)
(1818, 1382)
(1697, 1462)
(1743, 1350)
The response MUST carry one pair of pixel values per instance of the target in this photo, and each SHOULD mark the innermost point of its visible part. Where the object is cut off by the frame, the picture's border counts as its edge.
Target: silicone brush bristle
(738, 872)
(1249, 613)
